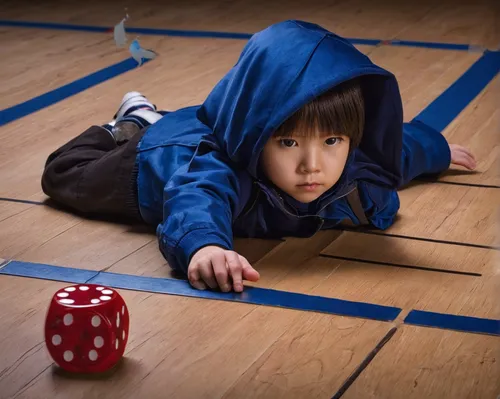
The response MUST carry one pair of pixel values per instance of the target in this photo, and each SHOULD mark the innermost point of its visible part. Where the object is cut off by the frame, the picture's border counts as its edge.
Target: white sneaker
(148, 115)
(131, 102)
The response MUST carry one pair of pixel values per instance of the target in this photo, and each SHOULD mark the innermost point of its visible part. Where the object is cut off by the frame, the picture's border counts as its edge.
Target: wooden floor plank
(401, 251)
(433, 70)
(317, 346)
(458, 23)
(428, 363)
(89, 245)
(240, 15)
(394, 286)
(32, 228)
(292, 255)
(477, 129)
(447, 22)
(381, 284)
(57, 57)
(448, 212)
(44, 235)
(148, 260)
(178, 351)
(255, 249)
(9, 209)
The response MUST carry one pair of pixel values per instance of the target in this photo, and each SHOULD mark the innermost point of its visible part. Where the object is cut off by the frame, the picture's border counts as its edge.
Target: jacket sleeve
(380, 205)
(199, 201)
(424, 151)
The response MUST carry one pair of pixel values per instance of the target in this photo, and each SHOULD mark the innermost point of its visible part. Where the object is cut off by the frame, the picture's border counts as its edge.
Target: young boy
(303, 133)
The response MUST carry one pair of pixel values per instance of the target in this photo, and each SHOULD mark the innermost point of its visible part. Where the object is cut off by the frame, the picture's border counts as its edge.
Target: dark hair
(340, 111)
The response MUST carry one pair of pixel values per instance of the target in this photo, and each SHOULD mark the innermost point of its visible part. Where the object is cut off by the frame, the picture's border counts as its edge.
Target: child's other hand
(462, 156)
(214, 267)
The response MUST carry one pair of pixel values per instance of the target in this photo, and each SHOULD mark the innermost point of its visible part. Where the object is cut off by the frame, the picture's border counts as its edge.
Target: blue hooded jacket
(198, 167)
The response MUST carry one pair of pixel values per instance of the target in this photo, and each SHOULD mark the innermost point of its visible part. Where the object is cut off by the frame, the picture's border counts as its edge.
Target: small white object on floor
(120, 34)
(139, 54)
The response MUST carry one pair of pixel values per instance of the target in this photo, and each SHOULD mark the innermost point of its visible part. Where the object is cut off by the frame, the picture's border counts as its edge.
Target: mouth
(309, 186)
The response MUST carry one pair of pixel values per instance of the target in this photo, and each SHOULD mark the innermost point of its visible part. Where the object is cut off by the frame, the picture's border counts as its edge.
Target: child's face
(305, 167)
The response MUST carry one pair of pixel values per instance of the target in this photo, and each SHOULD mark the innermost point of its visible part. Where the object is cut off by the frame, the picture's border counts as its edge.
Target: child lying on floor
(303, 133)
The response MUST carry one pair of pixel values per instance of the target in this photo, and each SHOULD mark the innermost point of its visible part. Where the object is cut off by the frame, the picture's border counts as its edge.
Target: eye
(287, 142)
(333, 140)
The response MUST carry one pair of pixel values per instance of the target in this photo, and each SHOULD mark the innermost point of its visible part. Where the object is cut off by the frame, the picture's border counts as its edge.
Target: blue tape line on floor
(431, 45)
(366, 42)
(190, 33)
(251, 295)
(452, 101)
(37, 103)
(453, 322)
(219, 35)
(47, 272)
(57, 26)
(141, 31)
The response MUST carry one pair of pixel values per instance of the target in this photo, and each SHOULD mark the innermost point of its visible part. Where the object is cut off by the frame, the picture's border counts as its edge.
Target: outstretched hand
(462, 156)
(214, 267)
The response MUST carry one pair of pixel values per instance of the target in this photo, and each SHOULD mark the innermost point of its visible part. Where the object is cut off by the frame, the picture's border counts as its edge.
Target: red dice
(86, 328)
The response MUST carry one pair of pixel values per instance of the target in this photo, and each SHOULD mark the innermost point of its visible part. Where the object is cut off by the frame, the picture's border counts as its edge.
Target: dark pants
(94, 175)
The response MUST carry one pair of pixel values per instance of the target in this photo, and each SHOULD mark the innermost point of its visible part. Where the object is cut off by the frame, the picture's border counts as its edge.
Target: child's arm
(199, 202)
(426, 151)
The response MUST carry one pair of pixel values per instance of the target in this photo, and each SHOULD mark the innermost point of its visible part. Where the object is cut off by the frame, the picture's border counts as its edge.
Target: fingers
(210, 272)
(459, 150)
(220, 269)
(195, 278)
(240, 270)
(462, 156)
(201, 272)
(466, 161)
(235, 270)
(221, 272)
(463, 159)
(207, 273)
(465, 151)
(249, 273)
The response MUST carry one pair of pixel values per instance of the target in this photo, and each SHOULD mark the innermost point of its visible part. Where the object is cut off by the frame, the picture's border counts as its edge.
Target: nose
(311, 161)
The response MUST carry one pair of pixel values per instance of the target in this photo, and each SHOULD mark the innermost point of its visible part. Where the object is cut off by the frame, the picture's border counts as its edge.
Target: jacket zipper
(282, 207)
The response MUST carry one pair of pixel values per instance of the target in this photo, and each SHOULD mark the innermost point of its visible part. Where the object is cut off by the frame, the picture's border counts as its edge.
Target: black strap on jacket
(356, 206)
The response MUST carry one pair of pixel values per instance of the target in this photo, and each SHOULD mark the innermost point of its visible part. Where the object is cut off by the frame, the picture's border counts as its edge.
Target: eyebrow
(321, 135)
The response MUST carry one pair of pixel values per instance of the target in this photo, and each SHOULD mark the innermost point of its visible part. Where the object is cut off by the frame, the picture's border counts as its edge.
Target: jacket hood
(284, 67)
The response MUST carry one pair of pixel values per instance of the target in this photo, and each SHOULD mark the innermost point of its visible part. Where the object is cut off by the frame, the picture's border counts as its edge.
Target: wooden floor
(440, 256)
